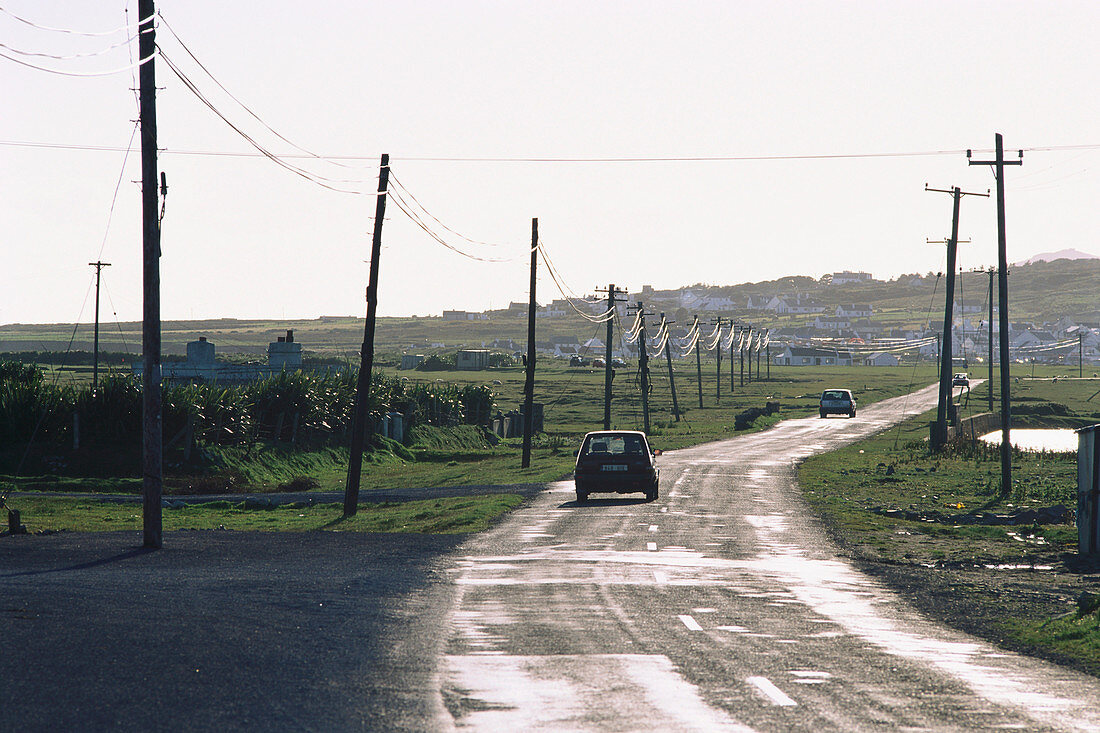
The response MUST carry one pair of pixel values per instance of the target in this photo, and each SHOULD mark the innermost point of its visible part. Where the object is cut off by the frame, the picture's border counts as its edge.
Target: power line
(412, 158)
(70, 57)
(69, 31)
(82, 74)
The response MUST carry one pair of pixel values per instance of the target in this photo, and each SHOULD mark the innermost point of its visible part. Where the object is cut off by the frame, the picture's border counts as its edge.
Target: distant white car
(960, 380)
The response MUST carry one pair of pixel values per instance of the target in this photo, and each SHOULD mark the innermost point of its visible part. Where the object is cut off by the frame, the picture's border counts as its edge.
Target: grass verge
(999, 564)
(432, 516)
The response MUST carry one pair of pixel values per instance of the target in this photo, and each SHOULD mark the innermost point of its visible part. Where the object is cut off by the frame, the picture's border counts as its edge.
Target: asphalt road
(221, 630)
(721, 606)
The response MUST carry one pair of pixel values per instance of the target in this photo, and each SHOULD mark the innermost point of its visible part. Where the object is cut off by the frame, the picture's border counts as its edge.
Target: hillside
(1041, 292)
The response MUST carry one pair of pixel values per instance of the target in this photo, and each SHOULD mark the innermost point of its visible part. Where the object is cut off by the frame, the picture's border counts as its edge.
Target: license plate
(614, 467)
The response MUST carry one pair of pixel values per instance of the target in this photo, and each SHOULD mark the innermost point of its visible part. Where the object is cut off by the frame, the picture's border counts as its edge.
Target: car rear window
(834, 394)
(615, 445)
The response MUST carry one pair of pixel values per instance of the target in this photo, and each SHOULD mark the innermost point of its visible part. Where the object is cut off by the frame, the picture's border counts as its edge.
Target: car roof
(598, 433)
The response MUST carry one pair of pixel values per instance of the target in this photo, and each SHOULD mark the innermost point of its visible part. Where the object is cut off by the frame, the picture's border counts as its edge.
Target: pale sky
(591, 80)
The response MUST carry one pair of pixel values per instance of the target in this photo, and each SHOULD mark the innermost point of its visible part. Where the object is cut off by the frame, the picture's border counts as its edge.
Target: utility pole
(668, 357)
(529, 384)
(759, 351)
(749, 348)
(1080, 357)
(768, 356)
(95, 348)
(745, 333)
(992, 272)
(366, 353)
(718, 368)
(998, 165)
(643, 366)
(611, 293)
(733, 335)
(939, 435)
(152, 431)
(698, 361)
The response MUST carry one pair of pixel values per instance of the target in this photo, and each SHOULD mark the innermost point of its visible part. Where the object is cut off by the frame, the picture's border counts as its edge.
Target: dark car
(837, 402)
(616, 461)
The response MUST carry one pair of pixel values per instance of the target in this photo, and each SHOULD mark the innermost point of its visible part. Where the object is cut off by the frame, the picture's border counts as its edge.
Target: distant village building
(785, 305)
(464, 316)
(812, 356)
(411, 361)
(848, 278)
(854, 310)
(880, 359)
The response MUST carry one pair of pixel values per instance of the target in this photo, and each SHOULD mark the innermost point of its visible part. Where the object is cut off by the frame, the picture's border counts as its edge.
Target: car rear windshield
(615, 445)
(834, 394)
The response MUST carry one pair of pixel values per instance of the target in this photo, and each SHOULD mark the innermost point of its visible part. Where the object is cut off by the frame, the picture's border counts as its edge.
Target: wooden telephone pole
(643, 365)
(612, 292)
(529, 382)
(152, 431)
(939, 436)
(698, 360)
(668, 358)
(95, 343)
(718, 355)
(366, 353)
(998, 164)
(733, 336)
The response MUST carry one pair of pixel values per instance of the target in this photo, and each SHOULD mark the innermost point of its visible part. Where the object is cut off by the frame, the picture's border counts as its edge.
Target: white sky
(244, 238)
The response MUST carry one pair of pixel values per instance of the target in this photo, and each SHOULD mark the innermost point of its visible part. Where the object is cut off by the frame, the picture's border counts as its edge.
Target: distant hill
(1062, 254)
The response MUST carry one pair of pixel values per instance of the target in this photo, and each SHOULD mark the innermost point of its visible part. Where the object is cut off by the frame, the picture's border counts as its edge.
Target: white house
(880, 358)
(785, 305)
(831, 323)
(811, 356)
(854, 310)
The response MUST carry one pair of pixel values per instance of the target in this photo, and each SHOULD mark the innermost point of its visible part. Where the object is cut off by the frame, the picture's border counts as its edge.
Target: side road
(222, 630)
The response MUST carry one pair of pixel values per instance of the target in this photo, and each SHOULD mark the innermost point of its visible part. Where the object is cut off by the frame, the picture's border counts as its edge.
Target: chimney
(202, 338)
(290, 336)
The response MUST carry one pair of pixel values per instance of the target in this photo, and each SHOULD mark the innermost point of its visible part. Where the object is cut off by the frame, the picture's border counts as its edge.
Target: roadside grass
(921, 521)
(433, 516)
(854, 488)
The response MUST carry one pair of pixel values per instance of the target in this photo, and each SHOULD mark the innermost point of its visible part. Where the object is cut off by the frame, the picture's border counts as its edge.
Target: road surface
(721, 606)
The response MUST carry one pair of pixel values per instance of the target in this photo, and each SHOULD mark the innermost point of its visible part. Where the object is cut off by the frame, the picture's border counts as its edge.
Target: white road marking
(572, 692)
(651, 546)
(653, 528)
(691, 623)
(774, 694)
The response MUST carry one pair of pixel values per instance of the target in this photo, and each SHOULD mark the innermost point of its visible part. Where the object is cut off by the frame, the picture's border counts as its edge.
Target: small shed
(473, 359)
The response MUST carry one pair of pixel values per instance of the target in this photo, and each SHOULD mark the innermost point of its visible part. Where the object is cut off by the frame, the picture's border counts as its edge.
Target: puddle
(1061, 440)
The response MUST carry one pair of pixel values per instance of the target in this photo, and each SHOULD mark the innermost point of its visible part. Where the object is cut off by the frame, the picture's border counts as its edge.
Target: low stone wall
(975, 426)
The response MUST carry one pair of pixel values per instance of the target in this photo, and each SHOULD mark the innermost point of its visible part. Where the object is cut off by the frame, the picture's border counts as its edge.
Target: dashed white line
(651, 546)
(653, 528)
(691, 623)
(774, 694)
